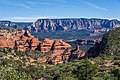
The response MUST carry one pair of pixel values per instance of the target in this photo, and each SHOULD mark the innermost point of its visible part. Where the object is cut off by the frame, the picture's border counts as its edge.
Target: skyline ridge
(28, 19)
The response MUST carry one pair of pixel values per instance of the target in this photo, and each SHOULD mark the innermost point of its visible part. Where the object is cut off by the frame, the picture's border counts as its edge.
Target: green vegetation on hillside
(19, 66)
(111, 42)
(109, 45)
(16, 65)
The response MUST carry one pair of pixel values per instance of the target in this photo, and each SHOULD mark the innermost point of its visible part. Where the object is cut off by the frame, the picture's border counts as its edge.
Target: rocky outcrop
(6, 38)
(58, 57)
(72, 24)
(46, 45)
(56, 46)
(56, 51)
(20, 40)
(26, 42)
(60, 46)
(61, 52)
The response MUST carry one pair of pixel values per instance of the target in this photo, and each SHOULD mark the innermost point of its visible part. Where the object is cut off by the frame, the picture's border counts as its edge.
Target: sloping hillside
(111, 42)
(109, 45)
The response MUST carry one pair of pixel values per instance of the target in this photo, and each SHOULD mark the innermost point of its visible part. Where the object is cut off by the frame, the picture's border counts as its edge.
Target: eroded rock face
(46, 45)
(57, 51)
(61, 51)
(21, 40)
(57, 46)
(27, 42)
(60, 46)
(6, 39)
(72, 24)
(18, 40)
(56, 58)
(7, 42)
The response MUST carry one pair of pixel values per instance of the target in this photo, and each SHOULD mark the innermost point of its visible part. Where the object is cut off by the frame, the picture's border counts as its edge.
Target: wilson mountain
(72, 24)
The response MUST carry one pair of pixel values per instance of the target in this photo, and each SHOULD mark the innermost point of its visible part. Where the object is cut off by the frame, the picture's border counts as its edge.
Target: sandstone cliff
(20, 40)
(72, 24)
(57, 51)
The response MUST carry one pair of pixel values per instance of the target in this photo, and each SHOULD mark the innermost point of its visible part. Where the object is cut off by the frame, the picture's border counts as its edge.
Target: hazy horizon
(56, 18)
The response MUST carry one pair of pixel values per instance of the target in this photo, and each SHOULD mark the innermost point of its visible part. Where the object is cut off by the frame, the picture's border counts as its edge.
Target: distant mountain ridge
(72, 24)
(65, 24)
(23, 25)
(5, 24)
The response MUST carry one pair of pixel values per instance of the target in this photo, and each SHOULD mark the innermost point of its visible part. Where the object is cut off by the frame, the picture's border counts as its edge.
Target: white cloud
(22, 5)
(96, 6)
(26, 19)
(31, 3)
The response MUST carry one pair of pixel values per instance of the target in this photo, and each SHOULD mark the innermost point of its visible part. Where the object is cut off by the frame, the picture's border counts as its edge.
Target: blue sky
(31, 10)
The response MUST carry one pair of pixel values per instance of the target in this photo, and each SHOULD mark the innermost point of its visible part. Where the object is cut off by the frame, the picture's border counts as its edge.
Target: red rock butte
(18, 39)
(21, 40)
